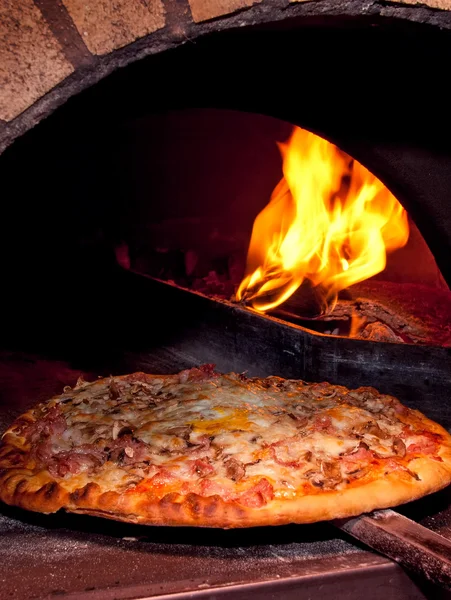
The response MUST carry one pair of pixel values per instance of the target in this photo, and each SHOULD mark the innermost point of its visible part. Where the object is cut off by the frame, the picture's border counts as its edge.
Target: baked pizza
(204, 449)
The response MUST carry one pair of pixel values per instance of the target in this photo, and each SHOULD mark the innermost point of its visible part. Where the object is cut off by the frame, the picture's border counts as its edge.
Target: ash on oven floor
(41, 555)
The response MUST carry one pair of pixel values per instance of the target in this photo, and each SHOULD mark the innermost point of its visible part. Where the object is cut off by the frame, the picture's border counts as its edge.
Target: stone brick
(31, 59)
(443, 4)
(106, 25)
(202, 10)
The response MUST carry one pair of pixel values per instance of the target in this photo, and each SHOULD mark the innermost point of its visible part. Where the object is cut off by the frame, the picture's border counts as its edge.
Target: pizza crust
(39, 491)
(212, 511)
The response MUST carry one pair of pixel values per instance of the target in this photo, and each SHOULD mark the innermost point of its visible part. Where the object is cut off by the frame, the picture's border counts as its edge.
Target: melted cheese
(289, 436)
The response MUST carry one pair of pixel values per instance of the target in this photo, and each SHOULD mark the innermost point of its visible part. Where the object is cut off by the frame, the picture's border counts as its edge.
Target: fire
(329, 223)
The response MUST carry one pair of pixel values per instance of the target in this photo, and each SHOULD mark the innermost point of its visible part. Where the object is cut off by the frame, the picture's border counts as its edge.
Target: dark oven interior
(160, 156)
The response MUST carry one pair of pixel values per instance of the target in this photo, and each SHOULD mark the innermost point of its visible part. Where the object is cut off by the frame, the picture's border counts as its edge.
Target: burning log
(375, 311)
(372, 310)
(380, 311)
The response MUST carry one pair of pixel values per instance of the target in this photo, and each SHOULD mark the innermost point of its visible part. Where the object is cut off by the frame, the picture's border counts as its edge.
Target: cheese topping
(247, 440)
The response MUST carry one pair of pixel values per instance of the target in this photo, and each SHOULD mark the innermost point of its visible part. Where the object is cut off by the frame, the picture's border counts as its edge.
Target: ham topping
(426, 443)
(53, 423)
(209, 487)
(323, 423)
(280, 452)
(362, 454)
(258, 495)
(203, 468)
(127, 450)
(163, 477)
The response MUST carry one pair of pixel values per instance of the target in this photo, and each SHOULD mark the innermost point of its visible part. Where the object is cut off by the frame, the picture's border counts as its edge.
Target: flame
(329, 221)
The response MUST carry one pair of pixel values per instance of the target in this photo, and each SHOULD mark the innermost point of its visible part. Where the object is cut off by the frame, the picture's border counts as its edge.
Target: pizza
(204, 449)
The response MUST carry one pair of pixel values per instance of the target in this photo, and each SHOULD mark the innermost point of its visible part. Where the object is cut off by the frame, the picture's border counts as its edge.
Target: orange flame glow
(329, 221)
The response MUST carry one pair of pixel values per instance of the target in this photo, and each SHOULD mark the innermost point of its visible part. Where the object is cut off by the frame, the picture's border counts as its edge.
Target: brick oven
(140, 135)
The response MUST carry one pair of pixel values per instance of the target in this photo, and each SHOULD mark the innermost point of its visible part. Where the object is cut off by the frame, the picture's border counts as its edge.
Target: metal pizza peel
(413, 546)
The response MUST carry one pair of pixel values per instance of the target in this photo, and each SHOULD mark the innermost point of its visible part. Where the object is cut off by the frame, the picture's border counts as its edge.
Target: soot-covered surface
(53, 555)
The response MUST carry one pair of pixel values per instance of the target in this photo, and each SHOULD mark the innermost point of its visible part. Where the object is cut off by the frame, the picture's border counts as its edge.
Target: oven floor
(75, 556)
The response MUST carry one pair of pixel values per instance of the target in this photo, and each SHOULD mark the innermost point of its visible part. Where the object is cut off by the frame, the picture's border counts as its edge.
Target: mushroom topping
(116, 428)
(255, 438)
(235, 469)
(360, 472)
(300, 420)
(399, 448)
(125, 431)
(328, 477)
(113, 391)
(80, 382)
(307, 456)
(183, 431)
(374, 429)
(331, 472)
(120, 428)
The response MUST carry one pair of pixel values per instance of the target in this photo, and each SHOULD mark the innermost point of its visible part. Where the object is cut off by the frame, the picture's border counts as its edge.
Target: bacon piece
(258, 495)
(203, 468)
(53, 423)
(84, 458)
(127, 450)
(140, 377)
(42, 451)
(202, 373)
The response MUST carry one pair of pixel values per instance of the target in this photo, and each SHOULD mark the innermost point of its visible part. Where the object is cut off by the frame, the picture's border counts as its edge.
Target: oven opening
(249, 209)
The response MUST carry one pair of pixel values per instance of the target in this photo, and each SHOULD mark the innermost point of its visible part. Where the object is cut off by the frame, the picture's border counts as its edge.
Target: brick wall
(51, 49)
